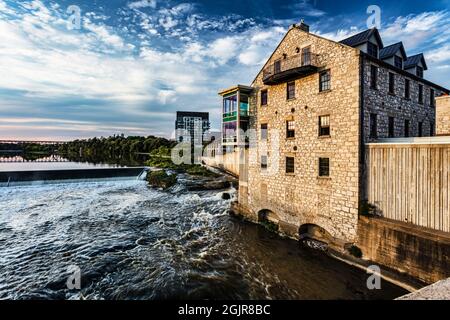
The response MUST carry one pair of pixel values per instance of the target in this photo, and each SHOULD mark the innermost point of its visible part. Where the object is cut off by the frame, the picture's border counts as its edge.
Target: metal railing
(297, 61)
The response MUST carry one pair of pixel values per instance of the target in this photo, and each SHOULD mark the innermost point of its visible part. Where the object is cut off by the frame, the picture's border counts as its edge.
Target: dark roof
(363, 37)
(203, 115)
(414, 61)
(391, 50)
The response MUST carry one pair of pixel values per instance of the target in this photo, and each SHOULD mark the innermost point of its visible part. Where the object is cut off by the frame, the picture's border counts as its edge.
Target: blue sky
(133, 63)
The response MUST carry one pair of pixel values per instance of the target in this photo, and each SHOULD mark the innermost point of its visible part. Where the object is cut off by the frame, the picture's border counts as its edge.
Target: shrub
(355, 251)
(161, 179)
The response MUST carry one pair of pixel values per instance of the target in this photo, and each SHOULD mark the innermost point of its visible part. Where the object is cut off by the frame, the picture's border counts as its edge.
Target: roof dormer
(394, 54)
(368, 41)
(416, 65)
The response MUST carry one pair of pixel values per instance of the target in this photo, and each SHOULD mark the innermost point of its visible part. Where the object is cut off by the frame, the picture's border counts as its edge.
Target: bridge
(43, 142)
(17, 159)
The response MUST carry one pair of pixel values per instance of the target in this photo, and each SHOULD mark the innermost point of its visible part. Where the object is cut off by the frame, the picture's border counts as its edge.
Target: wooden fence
(410, 182)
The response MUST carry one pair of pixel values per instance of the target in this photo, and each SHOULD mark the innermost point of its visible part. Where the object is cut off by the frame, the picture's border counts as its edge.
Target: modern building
(315, 105)
(191, 127)
(235, 116)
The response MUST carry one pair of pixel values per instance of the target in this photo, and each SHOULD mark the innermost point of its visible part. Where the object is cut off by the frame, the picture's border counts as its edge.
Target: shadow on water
(132, 242)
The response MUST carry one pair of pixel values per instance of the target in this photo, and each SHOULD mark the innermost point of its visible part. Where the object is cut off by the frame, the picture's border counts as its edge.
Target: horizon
(132, 64)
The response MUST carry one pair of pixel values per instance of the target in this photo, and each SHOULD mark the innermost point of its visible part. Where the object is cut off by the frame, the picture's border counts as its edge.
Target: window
(431, 128)
(420, 94)
(373, 126)
(264, 97)
(290, 129)
(407, 89)
(290, 165)
(373, 77)
(277, 66)
(391, 83)
(372, 49)
(391, 127)
(324, 167)
(324, 81)
(406, 128)
(306, 56)
(324, 125)
(431, 98)
(264, 131)
(290, 90)
(263, 162)
(398, 62)
(419, 72)
(420, 129)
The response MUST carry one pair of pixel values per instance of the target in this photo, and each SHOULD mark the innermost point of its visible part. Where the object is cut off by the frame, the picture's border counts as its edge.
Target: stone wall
(384, 104)
(304, 197)
(419, 252)
(443, 115)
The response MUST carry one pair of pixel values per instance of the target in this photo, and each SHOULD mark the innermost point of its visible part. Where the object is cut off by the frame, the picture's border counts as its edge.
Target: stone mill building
(314, 106)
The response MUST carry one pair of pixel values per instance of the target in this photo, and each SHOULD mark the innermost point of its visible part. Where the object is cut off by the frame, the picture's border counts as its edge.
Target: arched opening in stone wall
(269, 219)
(314, 232)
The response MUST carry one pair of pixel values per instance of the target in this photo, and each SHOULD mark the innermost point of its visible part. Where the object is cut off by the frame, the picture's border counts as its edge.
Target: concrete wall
(409, 180)
(409, 249)
(228, 162)
(303, 197)
(443, 115)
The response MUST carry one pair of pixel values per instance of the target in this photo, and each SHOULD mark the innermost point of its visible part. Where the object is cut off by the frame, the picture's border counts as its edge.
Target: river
(133, 242)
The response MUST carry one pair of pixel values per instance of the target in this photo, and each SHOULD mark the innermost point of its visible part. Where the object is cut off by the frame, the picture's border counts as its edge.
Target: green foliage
(367, 209)
(355, 251)
(161, 179)
(115, 147)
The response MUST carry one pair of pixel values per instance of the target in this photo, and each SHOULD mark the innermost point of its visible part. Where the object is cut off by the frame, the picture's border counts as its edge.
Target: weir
(11, 178)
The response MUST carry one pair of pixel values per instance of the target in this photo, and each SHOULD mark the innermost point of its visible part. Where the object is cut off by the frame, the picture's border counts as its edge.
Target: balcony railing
(290, 68)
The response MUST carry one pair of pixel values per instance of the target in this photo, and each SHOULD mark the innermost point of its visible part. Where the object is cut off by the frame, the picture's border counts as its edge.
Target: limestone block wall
(384, 104)
(304, 197)
(443, 115)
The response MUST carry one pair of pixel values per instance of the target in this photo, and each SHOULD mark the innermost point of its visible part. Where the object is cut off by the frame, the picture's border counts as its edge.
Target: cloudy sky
(133, 63)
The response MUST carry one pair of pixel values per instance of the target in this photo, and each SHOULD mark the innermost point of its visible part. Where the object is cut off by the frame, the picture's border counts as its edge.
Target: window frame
(372, 48)
(264, 137)
(373, 126)
(391, 127)
(264, 102)
(324, 127)
(396, 60)
(290, 133)
(419, 72)
(420, 97)
(391, 83)
(322, 166)
(407, 89)
(263, 165)
(373, 77)
(290, 166)
(432, 97)
(290, 89)
(325, 85)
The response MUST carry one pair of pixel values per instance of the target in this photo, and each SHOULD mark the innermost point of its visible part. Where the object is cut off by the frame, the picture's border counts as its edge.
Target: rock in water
(160, 179)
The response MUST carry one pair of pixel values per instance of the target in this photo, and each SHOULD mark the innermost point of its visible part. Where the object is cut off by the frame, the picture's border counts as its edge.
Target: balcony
(295, 67)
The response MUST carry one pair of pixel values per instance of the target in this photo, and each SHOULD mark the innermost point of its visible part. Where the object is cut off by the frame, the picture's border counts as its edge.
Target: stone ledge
(438, 291)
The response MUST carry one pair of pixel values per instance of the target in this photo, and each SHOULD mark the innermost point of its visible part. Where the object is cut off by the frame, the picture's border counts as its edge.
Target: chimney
(303, 26)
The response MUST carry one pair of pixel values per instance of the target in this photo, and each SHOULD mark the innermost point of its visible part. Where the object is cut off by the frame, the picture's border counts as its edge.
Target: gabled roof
(414, 61)
(391, 50)
(363, 37)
